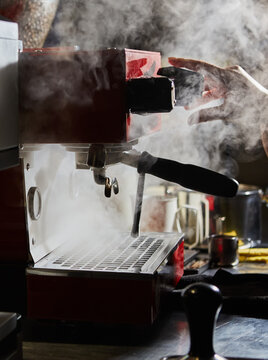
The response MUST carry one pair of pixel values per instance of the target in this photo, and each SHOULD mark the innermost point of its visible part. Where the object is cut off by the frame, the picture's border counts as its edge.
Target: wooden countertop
(234, 337)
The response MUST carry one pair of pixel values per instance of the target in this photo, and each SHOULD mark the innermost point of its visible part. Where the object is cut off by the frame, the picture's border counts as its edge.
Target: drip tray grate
(131, 255)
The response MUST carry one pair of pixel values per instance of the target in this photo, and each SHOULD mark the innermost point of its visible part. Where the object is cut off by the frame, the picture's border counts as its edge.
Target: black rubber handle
(202, 304)
(189, 176)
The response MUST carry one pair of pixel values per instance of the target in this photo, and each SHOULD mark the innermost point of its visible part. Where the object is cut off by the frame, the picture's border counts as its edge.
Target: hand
(244, 99)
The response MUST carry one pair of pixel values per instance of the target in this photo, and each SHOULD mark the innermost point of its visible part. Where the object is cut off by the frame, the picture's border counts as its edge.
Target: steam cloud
(224, 33)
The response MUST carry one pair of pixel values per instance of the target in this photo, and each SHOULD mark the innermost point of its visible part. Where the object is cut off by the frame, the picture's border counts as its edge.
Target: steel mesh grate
(142, 254)
(131, 258)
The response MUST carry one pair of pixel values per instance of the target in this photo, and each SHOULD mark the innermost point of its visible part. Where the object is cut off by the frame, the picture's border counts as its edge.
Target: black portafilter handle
(202, 303)
(189, 176)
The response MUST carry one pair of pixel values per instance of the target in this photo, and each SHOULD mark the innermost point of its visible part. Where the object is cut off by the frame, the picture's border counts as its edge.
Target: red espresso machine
(115, 282)
(80, 112)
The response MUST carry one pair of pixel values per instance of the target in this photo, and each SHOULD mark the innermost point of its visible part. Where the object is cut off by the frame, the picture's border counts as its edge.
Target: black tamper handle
(187, 175)
(202, 304)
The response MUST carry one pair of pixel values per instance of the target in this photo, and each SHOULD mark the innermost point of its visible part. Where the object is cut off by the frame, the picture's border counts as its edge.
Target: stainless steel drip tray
(127, 256)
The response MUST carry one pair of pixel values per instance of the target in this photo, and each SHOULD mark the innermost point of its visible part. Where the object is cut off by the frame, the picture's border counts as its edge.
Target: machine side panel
(13, 241)
(13, 236)
(8, 94)
(100, 300)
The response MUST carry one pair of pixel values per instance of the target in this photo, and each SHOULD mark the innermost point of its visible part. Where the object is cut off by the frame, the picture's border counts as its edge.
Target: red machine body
(82, 95)
(102, 297)
(75, 98)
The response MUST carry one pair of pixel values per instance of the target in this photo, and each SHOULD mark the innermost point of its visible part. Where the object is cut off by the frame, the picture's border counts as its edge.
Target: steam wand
(187, 175)
(138, 206)
(191, 176)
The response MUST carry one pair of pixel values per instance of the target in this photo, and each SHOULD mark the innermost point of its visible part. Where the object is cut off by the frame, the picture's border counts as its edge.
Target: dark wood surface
(34, 351)
(234, 336)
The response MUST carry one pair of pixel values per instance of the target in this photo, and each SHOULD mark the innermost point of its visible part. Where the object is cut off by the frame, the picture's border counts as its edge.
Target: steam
(74, 209)
(60, 79)
(224, 33)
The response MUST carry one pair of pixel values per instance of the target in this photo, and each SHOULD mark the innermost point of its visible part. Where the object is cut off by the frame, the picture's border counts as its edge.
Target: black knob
(202, 304)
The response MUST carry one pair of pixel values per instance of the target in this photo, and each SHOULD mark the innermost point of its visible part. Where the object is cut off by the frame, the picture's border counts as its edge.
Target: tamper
(202, 304)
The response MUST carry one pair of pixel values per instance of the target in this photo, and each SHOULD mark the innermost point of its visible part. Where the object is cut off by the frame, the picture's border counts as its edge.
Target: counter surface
(234, 336)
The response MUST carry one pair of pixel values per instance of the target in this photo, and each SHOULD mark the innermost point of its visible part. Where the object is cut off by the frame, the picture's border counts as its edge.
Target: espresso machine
(79, 115)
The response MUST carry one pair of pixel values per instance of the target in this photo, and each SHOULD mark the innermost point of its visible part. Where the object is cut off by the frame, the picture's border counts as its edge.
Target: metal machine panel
(8, 94)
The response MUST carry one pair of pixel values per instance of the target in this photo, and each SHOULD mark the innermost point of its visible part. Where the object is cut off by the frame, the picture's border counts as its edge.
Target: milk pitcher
(192, 216)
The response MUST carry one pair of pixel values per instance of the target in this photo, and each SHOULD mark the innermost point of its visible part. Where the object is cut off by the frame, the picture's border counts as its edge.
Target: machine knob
(202, 304)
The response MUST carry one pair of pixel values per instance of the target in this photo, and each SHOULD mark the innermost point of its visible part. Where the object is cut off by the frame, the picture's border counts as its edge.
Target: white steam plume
(224, 33)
